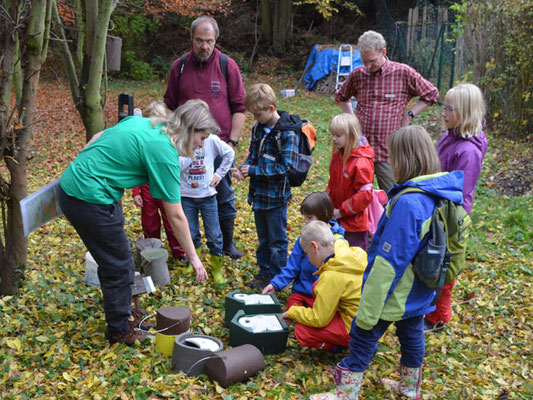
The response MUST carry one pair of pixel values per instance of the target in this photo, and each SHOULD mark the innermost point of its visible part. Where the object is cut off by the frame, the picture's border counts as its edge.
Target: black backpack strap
(183, 60)
(224, 65)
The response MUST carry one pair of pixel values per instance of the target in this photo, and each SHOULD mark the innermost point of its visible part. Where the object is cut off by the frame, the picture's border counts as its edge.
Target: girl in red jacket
(351, 174)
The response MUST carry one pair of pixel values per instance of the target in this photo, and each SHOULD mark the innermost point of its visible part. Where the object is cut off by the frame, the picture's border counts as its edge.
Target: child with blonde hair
(351, 173)
(326, 323)
(462, 147)
(391, 291)
(273, 153)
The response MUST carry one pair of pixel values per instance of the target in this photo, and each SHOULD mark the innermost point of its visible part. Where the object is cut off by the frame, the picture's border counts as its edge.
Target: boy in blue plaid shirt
(273, 152)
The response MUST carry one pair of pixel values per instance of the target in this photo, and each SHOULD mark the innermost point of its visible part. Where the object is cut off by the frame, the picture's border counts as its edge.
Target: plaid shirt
(269, 186)
(382, 98)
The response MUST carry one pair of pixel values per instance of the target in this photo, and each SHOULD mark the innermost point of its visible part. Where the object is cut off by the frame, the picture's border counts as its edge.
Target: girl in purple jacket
(461, 147)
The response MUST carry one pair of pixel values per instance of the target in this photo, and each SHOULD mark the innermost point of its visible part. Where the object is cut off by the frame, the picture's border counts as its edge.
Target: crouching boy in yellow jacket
(336, 293)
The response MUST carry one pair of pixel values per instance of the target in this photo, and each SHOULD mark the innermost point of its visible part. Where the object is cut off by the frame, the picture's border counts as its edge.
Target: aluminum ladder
(343, 61)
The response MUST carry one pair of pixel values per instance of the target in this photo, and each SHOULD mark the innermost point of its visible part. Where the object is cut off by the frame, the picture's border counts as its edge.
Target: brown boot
(139, 314)
(138, 321)
(129, 337)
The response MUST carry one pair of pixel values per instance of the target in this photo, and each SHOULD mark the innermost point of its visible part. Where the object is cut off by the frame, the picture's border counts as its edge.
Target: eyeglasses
(447, 109)
(200, 43)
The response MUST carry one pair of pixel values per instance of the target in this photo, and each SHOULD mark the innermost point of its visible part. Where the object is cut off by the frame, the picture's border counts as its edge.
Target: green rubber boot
(216, 269)
(189, 270)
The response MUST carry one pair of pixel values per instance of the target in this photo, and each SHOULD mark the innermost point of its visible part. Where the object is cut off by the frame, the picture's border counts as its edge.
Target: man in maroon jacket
(208, 74)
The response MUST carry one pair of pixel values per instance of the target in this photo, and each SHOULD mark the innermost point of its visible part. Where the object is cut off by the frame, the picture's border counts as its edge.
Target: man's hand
(138, 200)
(406, 120)
(337, 214)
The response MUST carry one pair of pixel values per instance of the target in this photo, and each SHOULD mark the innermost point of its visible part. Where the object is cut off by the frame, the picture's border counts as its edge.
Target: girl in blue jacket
(299, 270)
(391, 291)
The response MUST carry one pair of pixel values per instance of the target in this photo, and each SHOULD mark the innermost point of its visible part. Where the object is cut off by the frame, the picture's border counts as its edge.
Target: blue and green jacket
(391, 291)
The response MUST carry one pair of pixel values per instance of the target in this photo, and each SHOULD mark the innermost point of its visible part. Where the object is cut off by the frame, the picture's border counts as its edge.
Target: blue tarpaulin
(324, 60)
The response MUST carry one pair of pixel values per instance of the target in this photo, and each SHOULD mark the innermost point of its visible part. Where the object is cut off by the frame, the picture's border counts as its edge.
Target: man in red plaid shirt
(383, 89)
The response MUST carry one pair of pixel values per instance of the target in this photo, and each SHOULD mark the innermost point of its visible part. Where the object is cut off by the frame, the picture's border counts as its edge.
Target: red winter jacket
(343, 186)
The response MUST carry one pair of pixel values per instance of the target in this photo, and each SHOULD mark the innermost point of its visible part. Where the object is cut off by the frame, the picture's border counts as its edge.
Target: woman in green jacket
(135, 151)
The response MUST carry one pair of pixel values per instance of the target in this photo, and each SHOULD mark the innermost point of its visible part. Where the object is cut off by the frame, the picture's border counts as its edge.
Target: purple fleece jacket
(205, 80)
(456, 153)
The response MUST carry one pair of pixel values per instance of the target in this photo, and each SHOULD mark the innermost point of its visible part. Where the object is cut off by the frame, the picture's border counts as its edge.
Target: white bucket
(91, 270)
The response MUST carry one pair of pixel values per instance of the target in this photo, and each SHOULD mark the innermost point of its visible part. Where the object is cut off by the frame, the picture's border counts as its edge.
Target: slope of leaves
(51, 334)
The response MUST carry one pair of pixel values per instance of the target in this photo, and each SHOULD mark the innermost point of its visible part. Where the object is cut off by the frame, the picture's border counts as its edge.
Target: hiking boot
(129, 337)
(431, 328)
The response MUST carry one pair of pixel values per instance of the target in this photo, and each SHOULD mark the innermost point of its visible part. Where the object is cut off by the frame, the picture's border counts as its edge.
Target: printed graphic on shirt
(215, 86)
(196, 177)
(386, 247)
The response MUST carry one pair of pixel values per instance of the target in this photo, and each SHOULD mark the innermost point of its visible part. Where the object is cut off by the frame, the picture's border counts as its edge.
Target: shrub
(498, 35)
(135, 68)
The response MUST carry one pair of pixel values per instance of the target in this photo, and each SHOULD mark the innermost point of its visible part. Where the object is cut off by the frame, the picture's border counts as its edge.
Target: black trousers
(101, 227)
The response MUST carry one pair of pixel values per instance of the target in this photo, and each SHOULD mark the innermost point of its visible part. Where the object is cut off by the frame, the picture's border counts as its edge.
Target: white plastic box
(287, 92)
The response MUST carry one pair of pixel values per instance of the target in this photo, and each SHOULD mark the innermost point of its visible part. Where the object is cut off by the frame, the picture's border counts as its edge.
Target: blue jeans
(208, 207)
(101, 227)
(271, 226)
(364, 344)
(225, 197)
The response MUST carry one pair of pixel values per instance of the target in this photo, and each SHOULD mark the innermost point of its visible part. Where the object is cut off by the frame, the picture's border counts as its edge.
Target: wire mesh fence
(428, 41)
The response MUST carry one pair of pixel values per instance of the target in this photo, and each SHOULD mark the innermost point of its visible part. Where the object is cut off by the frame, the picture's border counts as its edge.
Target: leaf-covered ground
(51, 334)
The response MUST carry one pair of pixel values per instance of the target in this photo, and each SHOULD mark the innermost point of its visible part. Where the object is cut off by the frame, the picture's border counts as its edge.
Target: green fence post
(452, 73)
(428, 75)
(441, 56)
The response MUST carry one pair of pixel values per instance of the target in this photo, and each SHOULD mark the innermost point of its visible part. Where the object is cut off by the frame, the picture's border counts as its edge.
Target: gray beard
(203, 58)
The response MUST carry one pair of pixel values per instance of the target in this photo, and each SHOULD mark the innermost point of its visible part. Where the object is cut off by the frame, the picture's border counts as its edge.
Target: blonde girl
(351, 174)
(462, 147)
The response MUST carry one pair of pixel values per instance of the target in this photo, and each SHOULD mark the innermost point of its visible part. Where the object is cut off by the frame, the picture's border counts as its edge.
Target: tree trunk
(7, 62)
(281, 25)
(87, 98)
(18, 136)
(276, 23)
(266, 20)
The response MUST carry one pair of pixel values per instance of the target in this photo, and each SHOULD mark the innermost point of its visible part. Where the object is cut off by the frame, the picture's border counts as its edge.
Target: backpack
(442, 258)
(306, 144)
(375, 208)
(223, 64)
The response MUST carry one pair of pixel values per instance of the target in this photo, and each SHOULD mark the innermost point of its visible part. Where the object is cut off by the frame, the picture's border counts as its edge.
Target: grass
(51, 333)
